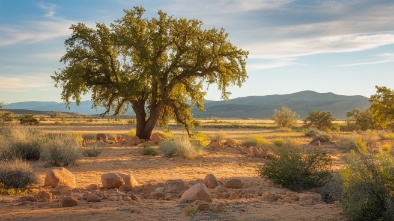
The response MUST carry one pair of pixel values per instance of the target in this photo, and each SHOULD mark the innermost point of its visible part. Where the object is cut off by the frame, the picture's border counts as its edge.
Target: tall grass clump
(61, 150)
(368, 186)
(20, 142)
(257, 141)
(298, 169)
(16, 174)
(180, 146)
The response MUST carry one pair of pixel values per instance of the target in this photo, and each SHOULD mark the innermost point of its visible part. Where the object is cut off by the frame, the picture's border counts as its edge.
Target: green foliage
(155, 65)
(285, 118)
(200, 139)
(16, 174)
(256, 141)
(298, 169)
(6, 116)
(319, 119)
(28, 119)
(368, 188)
(361, 120)
(148, 150)
(61, 150)
(20, 142)
(382, 106)
(180, 146)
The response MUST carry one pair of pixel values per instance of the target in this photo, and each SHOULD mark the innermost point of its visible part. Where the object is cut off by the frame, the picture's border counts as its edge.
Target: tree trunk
(145, 126)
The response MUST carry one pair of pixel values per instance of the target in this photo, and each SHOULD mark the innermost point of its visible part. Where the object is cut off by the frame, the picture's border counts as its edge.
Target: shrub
(285, 118)
(16, 174)
(180, 146)
(386, 148)
(298, 169)
(93, 150)
(148, 150)
(319, 119)
(321, 137)
(132, 133)
(332, 190)
(257, 142)
(368, 188)
(312, 132)
(219, 136)
(167, 135)
(61, 150)
(28, 119)
(20, 142)
(387, 136)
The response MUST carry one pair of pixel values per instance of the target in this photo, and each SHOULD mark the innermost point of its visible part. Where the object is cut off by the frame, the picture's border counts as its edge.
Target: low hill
(244, 107)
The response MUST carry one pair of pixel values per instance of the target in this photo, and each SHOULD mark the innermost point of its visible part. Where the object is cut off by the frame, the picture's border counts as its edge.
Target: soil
(152, 172)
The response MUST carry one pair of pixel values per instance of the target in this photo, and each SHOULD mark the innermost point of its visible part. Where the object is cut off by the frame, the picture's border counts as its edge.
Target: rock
(197, 192)
(210, 181)
(68, 201)
(174, 186)
(157, 195)
(59, 176)
(270, 155)
(220, 189)
(134, 141)
(101, 137)
(125, 188)
(63, 190)
(234, 144)
(156, 137)
(268, 196)
(27, 199)
(233, 196)
(216, 146)
(92, 187)
(234, 184)
(43, 196)
(112, 180)
(113, 198)
(129, 180)
(253, 151)
(201, 205)
(309, 199)
(93, 198)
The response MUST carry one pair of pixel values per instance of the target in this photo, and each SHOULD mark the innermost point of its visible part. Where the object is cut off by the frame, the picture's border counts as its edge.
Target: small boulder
(134, 141)
(216, 146)
(234, 144)
(197, 192)
(43, 196)
(101, 137)
(125, 188)
(174, 186)
(233, 196)
(234, 184)
(268, 196)
(92, 187)
(156, 137)
(68, 201)
(310, 199)
(59, 176)
(129, 180)
(112, 180)
(93, 198)
(211, 182)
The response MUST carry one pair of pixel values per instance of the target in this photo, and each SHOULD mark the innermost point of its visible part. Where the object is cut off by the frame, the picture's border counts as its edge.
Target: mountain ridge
(242, 107)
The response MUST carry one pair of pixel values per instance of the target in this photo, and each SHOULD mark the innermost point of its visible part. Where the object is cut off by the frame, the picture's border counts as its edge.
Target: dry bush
(368, 188)
(61, 150)
(219, 136)
(20, 142)
(180, 146)
(16, 174)
(257, 141)
(150, 151)
(298, 169)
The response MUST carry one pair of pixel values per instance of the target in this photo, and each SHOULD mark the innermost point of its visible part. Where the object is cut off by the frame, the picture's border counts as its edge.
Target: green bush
(257, 141)
(61, 150)
(180, 146)
(298, 169)
(200, 139)
(16, 174)
(368, 188)
(28, 119)
(148, 150)
(20, 142)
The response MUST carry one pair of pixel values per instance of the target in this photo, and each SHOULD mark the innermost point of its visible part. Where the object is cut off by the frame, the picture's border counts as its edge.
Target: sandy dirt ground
(152, 173)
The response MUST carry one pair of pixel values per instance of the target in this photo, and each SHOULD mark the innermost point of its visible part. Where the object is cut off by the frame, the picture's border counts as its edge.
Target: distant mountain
(301, 102)
(244, 107)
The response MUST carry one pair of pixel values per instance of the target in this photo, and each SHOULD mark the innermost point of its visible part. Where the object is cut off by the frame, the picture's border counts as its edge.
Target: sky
(343, 47)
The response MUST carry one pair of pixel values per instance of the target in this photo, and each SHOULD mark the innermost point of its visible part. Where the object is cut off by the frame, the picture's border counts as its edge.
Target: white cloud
(384, 58)
(276, 63)
(309, 46)
(23, 83)
(50, 9)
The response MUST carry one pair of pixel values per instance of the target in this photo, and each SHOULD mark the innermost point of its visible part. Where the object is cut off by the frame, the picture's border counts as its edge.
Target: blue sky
(344, 47)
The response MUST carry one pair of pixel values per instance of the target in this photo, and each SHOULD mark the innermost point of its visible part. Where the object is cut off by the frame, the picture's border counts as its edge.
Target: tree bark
(145, 126)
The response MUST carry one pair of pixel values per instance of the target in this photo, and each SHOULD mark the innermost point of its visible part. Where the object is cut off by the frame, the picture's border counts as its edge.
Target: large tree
(154, 65)
(382, 106)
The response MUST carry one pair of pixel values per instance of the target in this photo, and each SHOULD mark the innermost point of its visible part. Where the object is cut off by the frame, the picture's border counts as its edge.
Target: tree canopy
(286, 117)
(382, 106)
(158, 66)
(322, 120)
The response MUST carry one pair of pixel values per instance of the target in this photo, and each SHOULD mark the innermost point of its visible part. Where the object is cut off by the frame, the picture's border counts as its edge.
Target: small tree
(286, 117)
(156, 66)
(361, 120)
(319, 119)
(382, 106)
